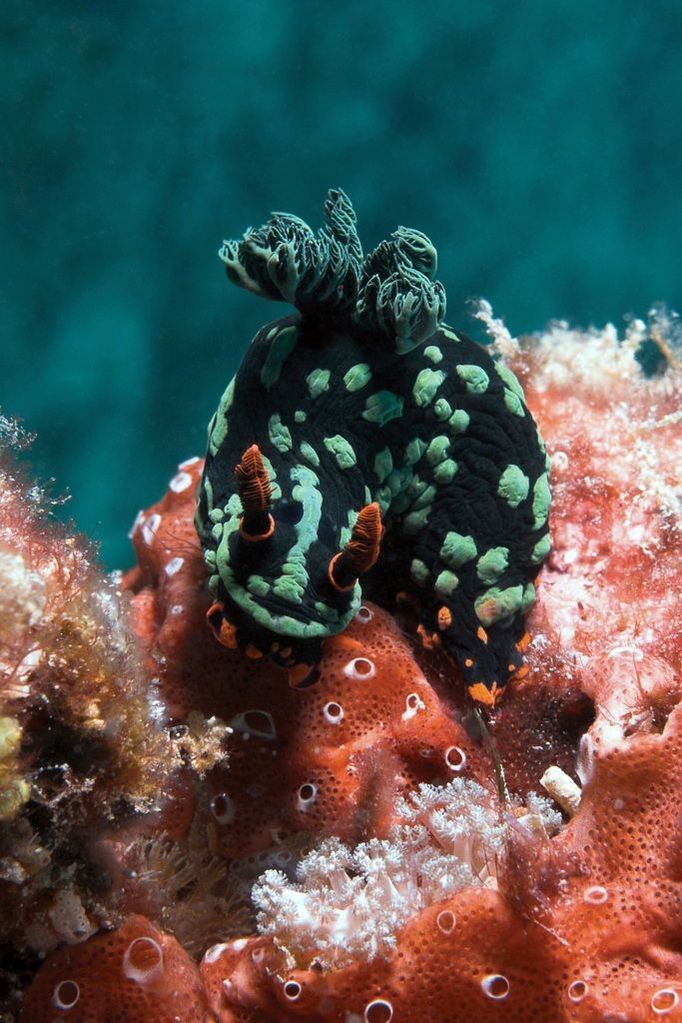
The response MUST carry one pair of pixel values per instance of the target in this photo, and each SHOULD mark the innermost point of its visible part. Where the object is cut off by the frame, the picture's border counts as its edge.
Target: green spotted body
(435, 431)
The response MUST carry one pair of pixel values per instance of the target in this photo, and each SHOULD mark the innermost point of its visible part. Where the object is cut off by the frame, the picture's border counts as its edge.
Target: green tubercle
(458, 549)
(475, 378)
(492, 564)
(529, 595)
(541, 549)
(426, 497)
(541, 500)
(459, 420)
(292, 582)
(281, 347)
(437, 449)
(446, 583)
(427, 383)
(445, 472)
(414, 451)
(382, 406)
(510, 380)
(416, 488)
(343, 451)
(434, 354)
(309, 453)
(448, 332)
(357, 376)
(318, 382)
(383, 464)
(279, 434)
(514, 403)
(345, 533)
(498, 604)
(442, 409)
(218, 430)
(513, 486)
(274, 485)
(257, 585)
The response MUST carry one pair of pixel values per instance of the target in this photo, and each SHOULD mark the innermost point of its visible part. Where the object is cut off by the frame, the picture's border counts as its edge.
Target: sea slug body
(363, 437)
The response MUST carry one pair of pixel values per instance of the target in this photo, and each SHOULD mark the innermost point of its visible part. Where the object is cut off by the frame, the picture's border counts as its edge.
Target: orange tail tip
(430, 640)
(523, 642)
(482, 694)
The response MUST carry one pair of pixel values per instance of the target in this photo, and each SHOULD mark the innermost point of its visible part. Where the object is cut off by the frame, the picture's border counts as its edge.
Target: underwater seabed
(186, 838)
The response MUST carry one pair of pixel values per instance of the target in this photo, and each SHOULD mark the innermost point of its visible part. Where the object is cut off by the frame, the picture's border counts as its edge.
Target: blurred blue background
(537, 143)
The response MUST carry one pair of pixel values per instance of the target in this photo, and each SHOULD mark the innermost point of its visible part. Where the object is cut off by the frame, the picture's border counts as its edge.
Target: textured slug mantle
(365, 409)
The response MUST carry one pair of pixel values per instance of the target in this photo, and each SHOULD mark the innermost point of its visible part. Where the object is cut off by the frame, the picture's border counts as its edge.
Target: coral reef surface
(372, 848)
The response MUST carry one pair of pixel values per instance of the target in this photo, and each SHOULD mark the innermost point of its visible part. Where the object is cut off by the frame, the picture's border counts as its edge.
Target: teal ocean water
(538, 144)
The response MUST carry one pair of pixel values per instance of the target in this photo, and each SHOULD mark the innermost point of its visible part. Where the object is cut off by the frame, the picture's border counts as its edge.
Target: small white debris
(139, 518)
(174, 565)
(181, 482)
(562, 789)
(149, 529)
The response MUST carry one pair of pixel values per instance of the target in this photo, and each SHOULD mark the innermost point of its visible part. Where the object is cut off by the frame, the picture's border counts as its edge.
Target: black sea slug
(364, 447)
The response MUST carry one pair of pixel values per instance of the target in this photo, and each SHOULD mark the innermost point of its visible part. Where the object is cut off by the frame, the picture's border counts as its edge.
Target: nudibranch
(365, 447)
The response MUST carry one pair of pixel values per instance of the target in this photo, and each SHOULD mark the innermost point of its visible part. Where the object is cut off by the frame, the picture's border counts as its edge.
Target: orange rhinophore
(253, 486)
(361, 551)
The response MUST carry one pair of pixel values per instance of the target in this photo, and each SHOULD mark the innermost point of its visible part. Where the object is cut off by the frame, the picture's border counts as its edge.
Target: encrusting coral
(404, 864)
(130, 975)
(76, 745)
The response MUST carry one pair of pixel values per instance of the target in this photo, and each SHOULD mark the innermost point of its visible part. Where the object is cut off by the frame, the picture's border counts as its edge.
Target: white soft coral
(351, 903)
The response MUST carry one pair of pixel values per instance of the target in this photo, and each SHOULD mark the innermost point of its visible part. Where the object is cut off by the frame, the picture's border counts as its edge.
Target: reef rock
(404, 858)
